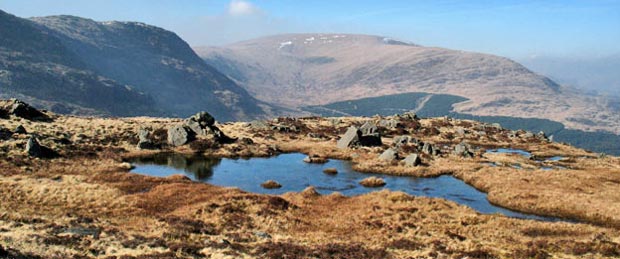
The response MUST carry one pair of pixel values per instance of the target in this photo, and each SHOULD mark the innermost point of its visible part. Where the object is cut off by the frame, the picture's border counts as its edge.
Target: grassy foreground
(85, 203)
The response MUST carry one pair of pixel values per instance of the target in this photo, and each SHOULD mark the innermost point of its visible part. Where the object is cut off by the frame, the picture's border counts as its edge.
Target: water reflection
(196, 167)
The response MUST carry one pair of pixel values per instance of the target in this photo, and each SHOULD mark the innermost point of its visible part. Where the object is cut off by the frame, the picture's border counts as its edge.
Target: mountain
(115, 68)
(297, 70)
(37, 67)
(595, 74)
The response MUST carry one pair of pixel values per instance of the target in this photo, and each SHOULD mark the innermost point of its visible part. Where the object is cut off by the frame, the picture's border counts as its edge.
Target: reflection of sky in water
(295, 175)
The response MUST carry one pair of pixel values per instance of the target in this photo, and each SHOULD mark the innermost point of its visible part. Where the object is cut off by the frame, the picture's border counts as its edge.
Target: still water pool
(295, 175)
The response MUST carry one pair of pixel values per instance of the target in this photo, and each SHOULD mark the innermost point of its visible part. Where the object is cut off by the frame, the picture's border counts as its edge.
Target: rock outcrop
(145, 141)
(23, 110)
(412, 160)
(389, 155)
(367, 135)
(463, 150)
(35, 149)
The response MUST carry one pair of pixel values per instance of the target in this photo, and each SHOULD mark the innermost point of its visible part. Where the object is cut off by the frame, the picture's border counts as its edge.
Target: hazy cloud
(240, 7)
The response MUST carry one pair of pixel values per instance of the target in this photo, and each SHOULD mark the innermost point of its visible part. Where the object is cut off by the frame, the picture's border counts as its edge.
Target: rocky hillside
(313, 69)
(114, 68)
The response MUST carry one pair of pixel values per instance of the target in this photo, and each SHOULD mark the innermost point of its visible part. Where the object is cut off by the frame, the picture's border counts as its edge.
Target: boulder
(412, 160)
(315, 159)
(390, 124)
(34, 149)
(330, 171)
(271, 184)
(372, 182)
(20, 130)
(204, 119)
(528, 135)
(463, 150)
(144, 141)
(195, 127)
(389, 155)
(351, 138)
(369, 129)
(24, 110)
(180, 135)
(401, 140)
(411, 115)
(428, 149)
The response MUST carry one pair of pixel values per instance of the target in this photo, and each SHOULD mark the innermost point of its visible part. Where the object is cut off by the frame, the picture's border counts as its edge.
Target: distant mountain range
(296, 70)
(597, 74)
(74, 65)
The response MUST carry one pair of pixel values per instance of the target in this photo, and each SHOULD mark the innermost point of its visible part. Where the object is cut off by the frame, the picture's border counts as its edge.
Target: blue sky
(515, 29)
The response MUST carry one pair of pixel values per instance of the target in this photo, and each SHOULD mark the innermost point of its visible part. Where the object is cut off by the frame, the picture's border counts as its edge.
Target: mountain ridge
(149, 61)
(315, 69)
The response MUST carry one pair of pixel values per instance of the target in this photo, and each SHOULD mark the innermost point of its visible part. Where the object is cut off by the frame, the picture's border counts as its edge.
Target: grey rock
(390, 124)
(195, 127)
(20, 130)
(262, 235)
(497, 126)
(369, 129)
(144, 141)
(412, 160)
(463, 150)
(5, 134)
(34, 149)
(428, 148)
(259, 125)
(24, 110)
(461, 131)
(351, 138)
(410, 115)
(204, 119)
(180, 135)
(401, 140)
(389, 155)
(528, 135)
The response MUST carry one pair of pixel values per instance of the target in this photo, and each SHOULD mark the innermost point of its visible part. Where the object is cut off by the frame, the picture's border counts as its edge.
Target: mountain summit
(309, 69)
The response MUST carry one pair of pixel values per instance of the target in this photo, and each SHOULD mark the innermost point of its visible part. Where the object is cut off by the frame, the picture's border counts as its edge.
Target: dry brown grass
(51, 208)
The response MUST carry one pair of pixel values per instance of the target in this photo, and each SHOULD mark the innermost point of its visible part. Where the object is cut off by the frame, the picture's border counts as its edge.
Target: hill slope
(312, 69)
(66, 59)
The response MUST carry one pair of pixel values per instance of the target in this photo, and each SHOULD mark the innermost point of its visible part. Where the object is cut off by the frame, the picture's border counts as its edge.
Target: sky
(516, 29)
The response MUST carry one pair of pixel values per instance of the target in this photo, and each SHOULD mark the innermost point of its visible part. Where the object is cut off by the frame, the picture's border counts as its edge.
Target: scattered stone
(497, 126)
(410, 115)
(180, 135)
(330, 171)
(389, 155)
(259, 125)
(315, 135)
(412, 160)
(542, 136)
(461, 131)
(372, 182)
(271, 184)
(315, 159)
(284, 128)
(20, 130)
(390, 124)
(528, 135)
(204, 119)
(34, 149)
(428, 149)
(350, 139)
(401, 140)
(262, 235)
(463, 150)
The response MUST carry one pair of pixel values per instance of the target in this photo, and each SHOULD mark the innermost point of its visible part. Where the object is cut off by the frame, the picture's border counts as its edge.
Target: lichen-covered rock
(180, 135)
(144, 141)
(389, 155)
(400, 140)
